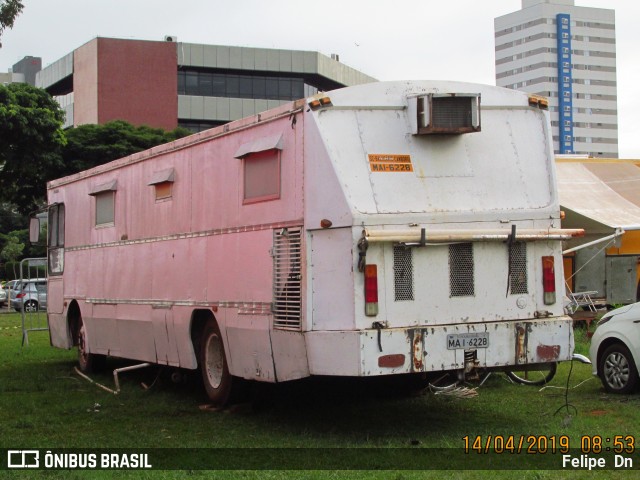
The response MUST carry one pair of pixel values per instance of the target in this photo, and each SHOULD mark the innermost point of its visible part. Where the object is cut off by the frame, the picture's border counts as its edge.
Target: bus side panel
(249, 346)
(59, 333)
(332, 280)
(289, 355)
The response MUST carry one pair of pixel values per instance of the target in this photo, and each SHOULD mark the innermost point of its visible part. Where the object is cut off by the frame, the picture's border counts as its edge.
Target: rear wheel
(218, 382)
(536, 374)
(88, 362)
(618, 370)
(31, 306)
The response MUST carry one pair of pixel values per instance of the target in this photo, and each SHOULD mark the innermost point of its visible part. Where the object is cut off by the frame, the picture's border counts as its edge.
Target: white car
(615, 349)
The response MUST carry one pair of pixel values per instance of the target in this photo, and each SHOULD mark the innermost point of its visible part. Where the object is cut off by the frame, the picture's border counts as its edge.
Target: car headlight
(604, 320)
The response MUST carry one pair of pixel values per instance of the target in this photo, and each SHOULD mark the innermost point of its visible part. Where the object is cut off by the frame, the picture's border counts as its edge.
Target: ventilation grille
(452, 112)
(461, 270)
(403, 273)
(447, 113)
(518, 282)
(287, 282)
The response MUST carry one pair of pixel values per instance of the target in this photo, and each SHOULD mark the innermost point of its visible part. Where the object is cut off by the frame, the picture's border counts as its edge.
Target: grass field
(44, 404)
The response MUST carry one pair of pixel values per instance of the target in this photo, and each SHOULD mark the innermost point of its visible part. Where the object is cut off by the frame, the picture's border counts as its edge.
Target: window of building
(230, 85)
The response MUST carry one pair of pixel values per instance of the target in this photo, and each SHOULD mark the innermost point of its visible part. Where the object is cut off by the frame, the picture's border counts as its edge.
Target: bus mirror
(35, 231)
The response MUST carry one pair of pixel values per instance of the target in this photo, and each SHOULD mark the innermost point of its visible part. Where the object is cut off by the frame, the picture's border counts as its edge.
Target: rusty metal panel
(621, 279)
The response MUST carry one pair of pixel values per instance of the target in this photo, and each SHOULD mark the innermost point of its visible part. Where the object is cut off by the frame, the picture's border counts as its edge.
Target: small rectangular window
(262, 176)
(105, 202)
(56, 239)
(105, 208)
(162, 181)
(163, 190)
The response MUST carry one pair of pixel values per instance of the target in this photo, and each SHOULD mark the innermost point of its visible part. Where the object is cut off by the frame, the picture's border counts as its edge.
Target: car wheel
(618, 370)
(31, 306)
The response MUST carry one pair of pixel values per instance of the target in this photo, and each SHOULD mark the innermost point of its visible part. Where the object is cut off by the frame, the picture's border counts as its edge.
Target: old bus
(396, 228)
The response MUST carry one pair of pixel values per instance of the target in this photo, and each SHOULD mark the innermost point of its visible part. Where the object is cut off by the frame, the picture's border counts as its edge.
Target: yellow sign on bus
(390, 163)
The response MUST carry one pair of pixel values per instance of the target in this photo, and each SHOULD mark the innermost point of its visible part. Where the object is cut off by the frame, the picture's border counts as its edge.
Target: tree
(9, 10)
(12, 250)
(31, 140)
(34, 149)
(91, 145)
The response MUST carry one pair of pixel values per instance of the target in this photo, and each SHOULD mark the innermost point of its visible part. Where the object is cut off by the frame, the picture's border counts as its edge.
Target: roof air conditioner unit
(448, 113)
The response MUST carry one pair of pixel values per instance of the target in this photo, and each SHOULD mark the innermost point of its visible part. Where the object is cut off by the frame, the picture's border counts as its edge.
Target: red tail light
(549, 280)
(371, 290)
(21, 295)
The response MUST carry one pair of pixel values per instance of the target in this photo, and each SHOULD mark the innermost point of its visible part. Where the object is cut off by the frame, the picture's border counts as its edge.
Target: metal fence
(30, 298)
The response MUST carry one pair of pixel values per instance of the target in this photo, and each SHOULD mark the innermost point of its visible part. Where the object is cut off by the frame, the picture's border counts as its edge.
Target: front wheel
(618, 370)
(218, 382)
(536, 374)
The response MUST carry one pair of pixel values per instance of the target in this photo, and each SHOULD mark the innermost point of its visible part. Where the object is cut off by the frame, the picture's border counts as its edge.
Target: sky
(388, 40)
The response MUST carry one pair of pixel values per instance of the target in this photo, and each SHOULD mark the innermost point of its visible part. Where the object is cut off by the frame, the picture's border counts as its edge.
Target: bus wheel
(537, 374)
(213, 364)
(88, 362)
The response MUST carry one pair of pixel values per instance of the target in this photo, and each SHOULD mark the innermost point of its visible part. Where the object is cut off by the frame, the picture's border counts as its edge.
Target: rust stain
(521, 344)
(417, 351)
(391, 361)
(548, 353)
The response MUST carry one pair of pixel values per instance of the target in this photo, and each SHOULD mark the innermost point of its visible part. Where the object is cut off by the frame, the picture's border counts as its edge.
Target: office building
(169, 83)
(568, 54)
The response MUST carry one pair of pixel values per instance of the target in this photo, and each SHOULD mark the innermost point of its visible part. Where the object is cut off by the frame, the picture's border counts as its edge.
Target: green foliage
(92, 145)
(11, 219)
(12, 249)
(9, 10)
(31, 139)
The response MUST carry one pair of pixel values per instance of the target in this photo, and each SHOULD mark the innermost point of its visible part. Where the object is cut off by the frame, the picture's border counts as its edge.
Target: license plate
(467, 340)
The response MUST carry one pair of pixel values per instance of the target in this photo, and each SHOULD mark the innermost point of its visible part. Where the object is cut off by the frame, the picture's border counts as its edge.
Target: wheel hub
(617, 370)
(214, 361)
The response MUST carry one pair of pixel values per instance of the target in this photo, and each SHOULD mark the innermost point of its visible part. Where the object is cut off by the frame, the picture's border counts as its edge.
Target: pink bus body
(349, 234)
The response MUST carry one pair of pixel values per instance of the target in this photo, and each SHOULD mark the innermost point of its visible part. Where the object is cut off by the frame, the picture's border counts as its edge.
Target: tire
(31, 306)
(536, 374)
(617, 369)
(442, 381)
(218, 382)
(88, 362)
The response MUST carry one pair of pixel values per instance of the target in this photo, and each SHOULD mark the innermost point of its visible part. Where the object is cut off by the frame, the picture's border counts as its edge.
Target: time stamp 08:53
(586, 452)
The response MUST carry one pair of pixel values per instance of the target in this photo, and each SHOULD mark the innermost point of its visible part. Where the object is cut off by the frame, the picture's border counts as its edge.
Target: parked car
(10, 285)
(32, 294)
(615, 349)
(3, 297)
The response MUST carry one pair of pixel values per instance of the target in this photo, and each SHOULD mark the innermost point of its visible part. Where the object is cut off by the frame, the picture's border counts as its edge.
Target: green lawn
(44, 404)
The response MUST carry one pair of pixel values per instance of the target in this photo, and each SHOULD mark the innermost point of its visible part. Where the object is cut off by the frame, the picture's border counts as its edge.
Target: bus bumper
(387, 351)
